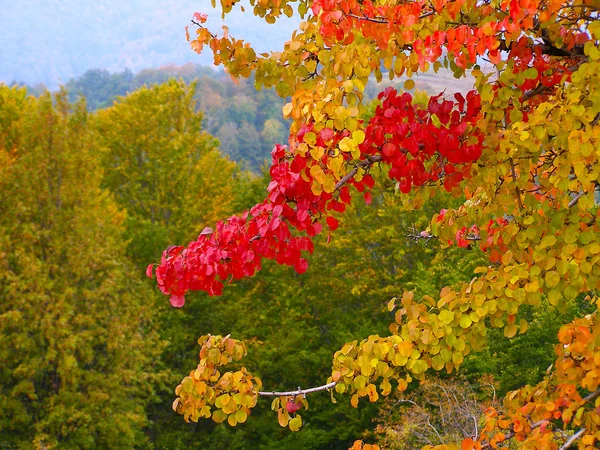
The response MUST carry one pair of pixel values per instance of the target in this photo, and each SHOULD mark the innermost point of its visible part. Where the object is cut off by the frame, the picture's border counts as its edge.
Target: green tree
(100, 87)
(173, 181)
(78, 351)
(273, 132)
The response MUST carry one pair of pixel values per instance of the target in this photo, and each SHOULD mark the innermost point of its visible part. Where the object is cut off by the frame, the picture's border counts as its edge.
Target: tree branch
(573, 438)
(542, 88)
(383, 20)
(592, 396)
(363, 164)
(575, 199)
(299, 391)
(512, 434)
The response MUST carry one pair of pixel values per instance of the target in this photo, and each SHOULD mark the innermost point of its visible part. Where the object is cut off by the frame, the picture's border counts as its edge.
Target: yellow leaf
(241, 416)
(552, 278)
(446, 317)
(287, 109)
(391, 304)
(282, 417)
(346, 145)
(295, 45)
(316, 188)
(510, 330)
(359, 84)
(295, 423)
(232, 420)
(329, 183)
(358, 136)
(465, 321)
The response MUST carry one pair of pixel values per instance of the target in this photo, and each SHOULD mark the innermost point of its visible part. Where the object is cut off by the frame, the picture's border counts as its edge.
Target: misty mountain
(52, 41)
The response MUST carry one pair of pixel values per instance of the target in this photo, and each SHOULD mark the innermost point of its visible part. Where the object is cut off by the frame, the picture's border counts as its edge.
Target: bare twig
(299, 391)
(592, 396)
(415, 235)
(383, 20)
(368, 19)
(542, 88)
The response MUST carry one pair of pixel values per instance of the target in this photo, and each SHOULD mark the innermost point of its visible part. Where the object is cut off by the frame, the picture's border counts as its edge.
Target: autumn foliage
(522, 147)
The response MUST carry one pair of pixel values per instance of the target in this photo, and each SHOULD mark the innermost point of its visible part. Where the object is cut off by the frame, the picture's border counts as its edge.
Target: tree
(100, 87)
(78, 348)
(165, 171)
(437, 412)
(162, 167)
(293, 323)
(522, 147)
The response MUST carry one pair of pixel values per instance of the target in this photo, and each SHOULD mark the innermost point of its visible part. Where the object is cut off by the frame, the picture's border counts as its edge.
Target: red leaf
(405, 186)
(149, 270)
(326, 134)
(345, 195)
(368, 198)
(207, 231)
(177, 300)
(292, 407)
(200, 17)
(301, 265)
(332, 223)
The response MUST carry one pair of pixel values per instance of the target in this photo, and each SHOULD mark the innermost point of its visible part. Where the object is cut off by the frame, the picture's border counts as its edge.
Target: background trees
(162, 168)
(78, 343)
(246, 121)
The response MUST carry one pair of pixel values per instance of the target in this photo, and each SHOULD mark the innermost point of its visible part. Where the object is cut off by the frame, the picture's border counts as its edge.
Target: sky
(51, 41)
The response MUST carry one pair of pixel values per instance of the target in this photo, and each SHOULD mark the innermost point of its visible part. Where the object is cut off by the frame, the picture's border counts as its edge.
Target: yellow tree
(162, 167)
(522, 147)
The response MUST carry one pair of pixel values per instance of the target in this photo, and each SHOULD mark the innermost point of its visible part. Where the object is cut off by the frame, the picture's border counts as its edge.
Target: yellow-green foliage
(78, 355)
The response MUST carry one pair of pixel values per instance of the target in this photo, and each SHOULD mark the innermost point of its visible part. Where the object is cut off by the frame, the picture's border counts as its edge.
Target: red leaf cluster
(421, 144)
(425, 144)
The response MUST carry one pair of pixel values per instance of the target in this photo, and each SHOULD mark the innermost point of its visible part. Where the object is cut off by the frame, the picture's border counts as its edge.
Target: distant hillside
(53, 41)
(247, 122)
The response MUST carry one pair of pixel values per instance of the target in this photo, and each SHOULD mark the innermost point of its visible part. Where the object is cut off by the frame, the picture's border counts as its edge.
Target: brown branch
(592, 396)
(532, 93)
(368, 162)
(575, 199)
(512, 434)
(361, 165)
(514, 177)
(415, 235)
(383, 20)
(368, 19)
(298, 391)
(542, 88)
(573, 438)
